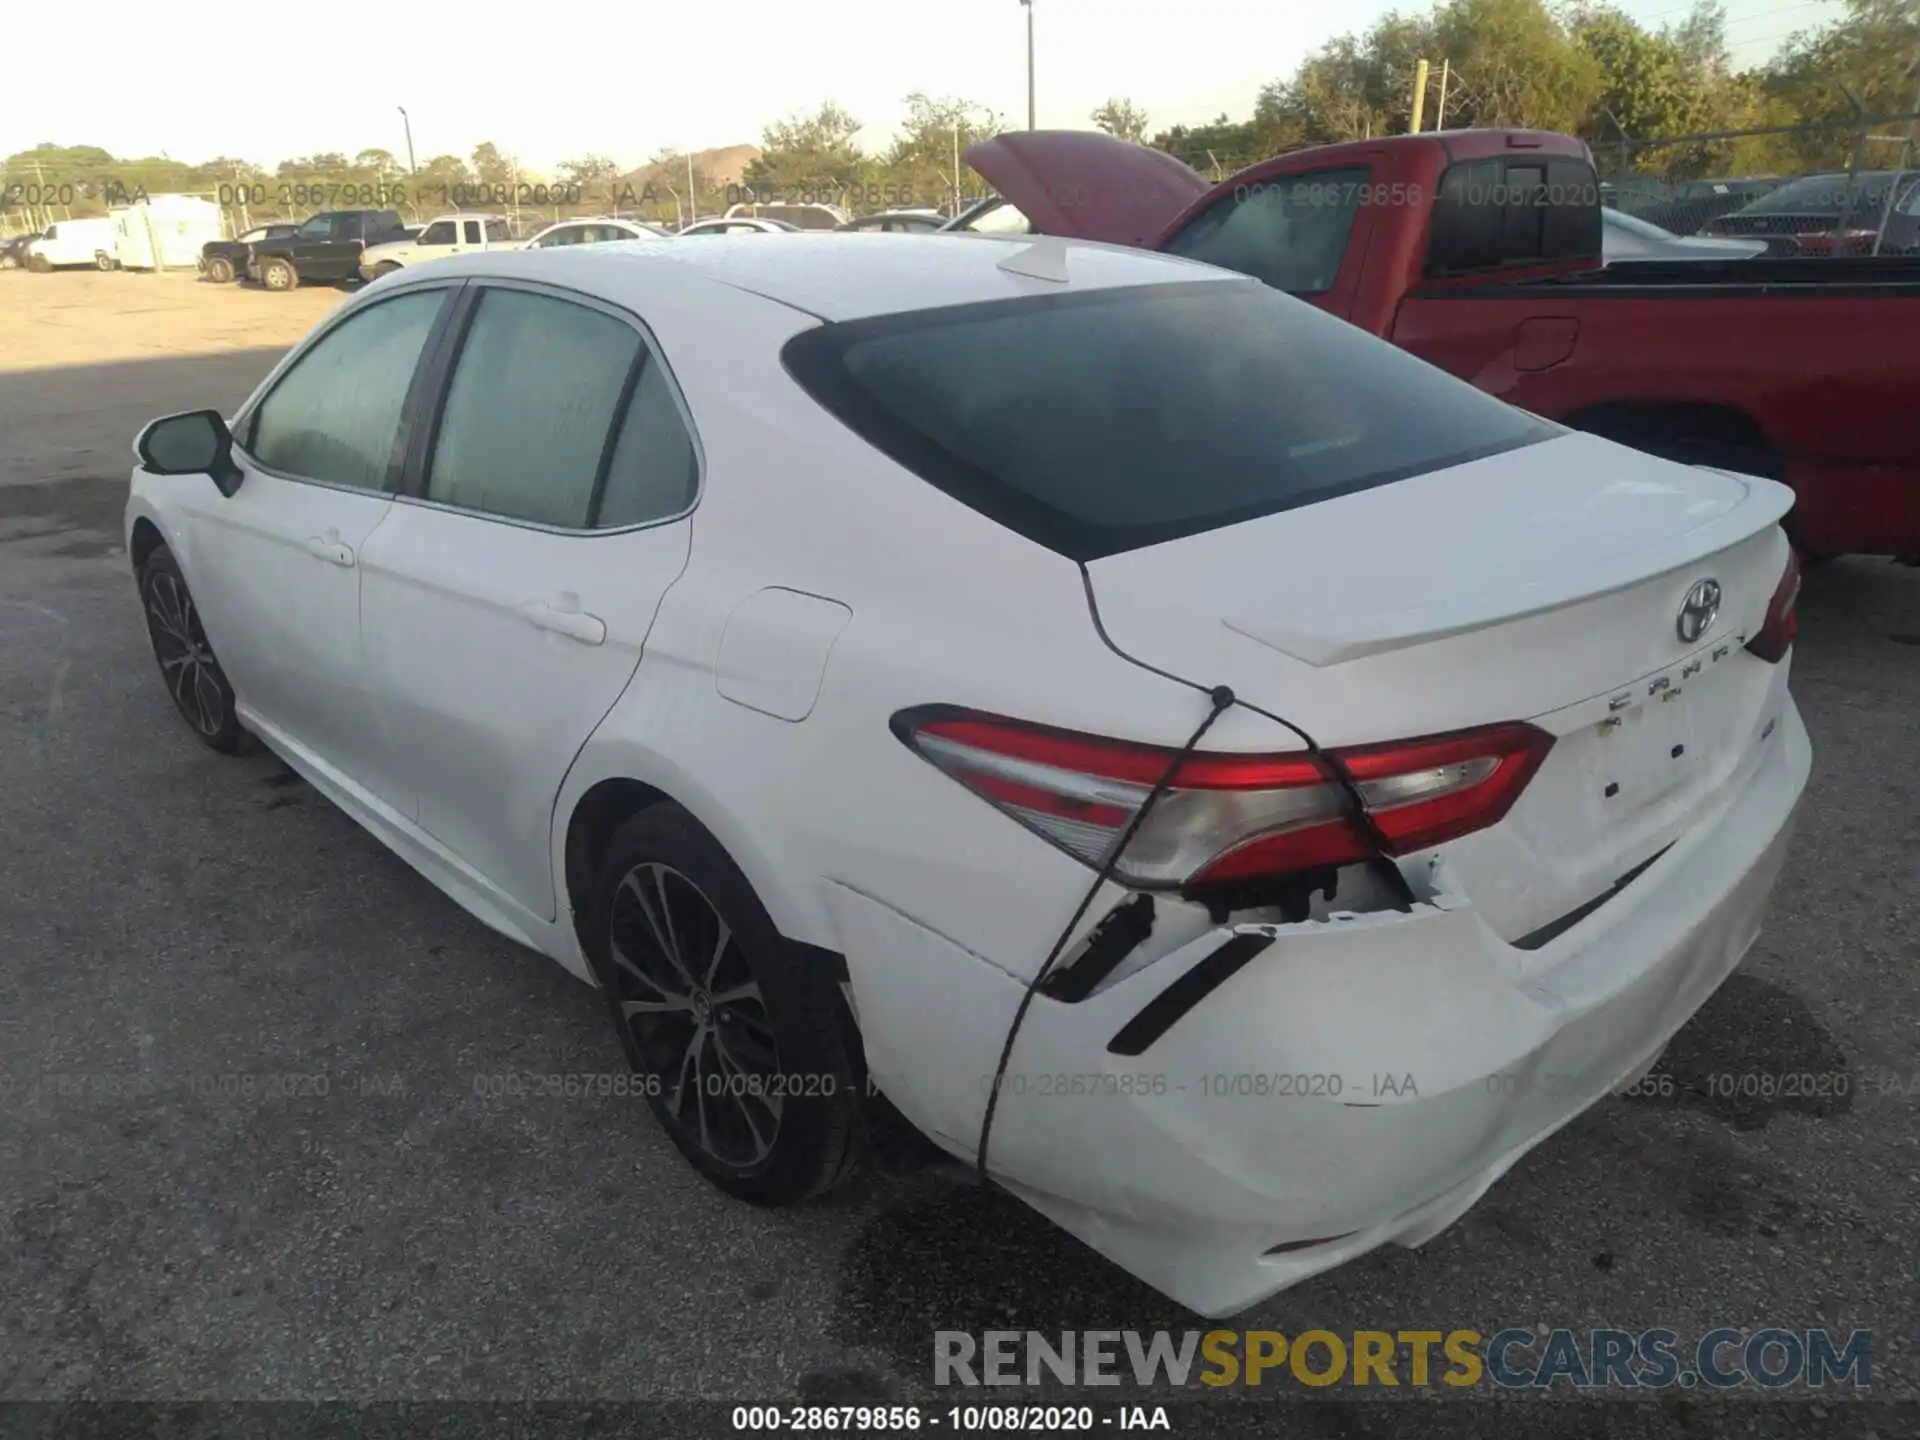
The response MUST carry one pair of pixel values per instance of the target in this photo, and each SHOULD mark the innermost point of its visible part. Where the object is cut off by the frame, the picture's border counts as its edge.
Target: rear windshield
(1106, 420)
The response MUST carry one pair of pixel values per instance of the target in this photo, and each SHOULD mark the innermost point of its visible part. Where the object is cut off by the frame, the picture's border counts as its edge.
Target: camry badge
(1698, 611)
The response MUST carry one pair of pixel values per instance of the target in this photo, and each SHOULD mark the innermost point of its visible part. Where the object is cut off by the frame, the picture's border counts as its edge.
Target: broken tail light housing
(1226, 820)
(1783, 617)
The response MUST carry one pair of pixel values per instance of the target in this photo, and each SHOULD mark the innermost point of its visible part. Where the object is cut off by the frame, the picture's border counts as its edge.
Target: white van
(74, 242)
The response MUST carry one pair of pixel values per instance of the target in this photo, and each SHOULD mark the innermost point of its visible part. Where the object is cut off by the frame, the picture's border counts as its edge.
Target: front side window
(528, 412)
(335, 414)
(1290, 232)
(1106, 420)
(440, 232)
(320, 227)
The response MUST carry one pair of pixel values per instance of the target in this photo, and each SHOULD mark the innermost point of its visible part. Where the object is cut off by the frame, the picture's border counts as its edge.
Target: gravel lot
(171, 917)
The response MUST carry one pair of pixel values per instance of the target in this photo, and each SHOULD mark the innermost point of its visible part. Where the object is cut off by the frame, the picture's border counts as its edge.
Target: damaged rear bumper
(1349, 1081)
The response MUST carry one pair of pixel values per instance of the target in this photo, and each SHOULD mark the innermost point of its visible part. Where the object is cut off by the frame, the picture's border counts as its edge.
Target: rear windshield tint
(1108, 420)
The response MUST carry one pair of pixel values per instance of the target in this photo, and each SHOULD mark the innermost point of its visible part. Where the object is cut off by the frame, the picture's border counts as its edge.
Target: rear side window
(334, 416)
(652, 472)
(1290, 232)
(1108, 420)
(1510, 211)
(533, 398)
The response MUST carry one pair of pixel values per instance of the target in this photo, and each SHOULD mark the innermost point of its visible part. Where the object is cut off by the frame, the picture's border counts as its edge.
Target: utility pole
(1027, 5)
(956, 167)
(693, 197)
(1419, 96)
(1440, 110)
(407, 121)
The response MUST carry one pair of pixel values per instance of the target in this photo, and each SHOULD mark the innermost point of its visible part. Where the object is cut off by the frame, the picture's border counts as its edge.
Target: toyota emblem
(1698, 611)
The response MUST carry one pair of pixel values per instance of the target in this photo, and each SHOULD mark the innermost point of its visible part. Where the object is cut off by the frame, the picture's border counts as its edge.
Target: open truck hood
(1083, 185)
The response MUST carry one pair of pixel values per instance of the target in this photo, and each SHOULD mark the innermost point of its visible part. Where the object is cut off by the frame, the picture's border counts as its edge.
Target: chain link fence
(1835, 187)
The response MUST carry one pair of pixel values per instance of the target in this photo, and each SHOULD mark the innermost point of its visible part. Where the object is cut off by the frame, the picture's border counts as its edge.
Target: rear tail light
(1226, 819)
(1783, 618)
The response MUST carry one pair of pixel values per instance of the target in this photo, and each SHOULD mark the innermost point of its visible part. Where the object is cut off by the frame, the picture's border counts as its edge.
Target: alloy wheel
(186, 660)
(696, 1014)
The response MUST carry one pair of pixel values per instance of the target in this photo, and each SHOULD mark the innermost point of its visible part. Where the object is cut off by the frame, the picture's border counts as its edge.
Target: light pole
(409, 124)
(1027, 5)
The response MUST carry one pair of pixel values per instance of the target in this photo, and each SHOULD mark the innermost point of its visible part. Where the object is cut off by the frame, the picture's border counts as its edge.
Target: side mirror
(196, 443)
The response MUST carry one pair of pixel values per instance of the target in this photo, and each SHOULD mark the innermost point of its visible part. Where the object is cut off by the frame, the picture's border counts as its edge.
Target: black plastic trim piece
(1161, 1013)
(1119, 933)
(1554, 929)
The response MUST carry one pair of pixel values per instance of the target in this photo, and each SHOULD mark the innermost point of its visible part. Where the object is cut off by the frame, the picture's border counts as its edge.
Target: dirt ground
(87, 358)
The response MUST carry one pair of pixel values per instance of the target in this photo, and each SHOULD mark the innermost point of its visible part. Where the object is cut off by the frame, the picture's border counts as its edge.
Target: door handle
(328, 547)
(565, 617)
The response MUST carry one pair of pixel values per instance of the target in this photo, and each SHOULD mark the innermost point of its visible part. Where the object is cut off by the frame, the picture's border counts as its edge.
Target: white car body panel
(417, 251)
(755, 650)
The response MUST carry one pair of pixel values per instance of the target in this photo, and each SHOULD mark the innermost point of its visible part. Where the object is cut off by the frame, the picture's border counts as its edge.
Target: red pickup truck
(1480, 251)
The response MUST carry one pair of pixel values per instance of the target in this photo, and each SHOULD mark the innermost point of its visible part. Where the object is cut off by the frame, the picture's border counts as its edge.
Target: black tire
(279, 274)
(9, 261)
(762, 1036)
(104, 261)
(188, 667)
(39, 264)
(220, 270)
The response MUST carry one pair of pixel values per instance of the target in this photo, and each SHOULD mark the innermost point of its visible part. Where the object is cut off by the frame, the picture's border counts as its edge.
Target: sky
(562, 78)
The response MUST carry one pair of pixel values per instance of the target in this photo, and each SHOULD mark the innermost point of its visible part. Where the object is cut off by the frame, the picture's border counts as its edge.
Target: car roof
(839, 276)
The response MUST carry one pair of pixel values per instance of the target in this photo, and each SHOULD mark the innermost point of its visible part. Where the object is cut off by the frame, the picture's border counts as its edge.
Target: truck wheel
(220, 270)
(104, 261)
(9, 261)
(279, 275)
(39, 264)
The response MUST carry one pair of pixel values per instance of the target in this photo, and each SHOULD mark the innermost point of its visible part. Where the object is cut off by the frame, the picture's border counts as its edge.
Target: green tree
(918, 167)
(1122, 119)
(808, 154)
(493, 166)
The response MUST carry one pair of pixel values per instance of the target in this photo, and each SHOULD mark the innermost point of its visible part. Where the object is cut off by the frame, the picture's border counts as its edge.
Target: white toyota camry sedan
(1236, 785)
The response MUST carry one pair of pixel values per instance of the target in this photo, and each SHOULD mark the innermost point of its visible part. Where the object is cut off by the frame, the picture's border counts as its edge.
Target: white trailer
(164, 232)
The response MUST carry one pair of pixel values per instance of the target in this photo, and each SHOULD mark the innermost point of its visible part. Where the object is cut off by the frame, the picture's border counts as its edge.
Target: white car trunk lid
(1542, 584)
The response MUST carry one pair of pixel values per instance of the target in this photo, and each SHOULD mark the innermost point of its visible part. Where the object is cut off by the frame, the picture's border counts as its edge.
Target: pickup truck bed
(1479, 251)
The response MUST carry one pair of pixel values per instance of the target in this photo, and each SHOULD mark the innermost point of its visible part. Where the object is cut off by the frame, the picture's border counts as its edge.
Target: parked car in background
(790, 638)
(326, 247)
(13, 249)
(740, 225)
(1834, 214)
(799, 217)
(1627, 237)
(1791, 369)
(1692, 204)
(437, 239)
(897, 222)
(222, 261)
(592, 230)
(68, 243)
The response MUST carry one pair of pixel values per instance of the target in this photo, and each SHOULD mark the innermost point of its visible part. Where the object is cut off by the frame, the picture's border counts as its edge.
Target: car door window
(497, 231)
(473, 232)
(653, 472)
(529, 408)
(334, 415)
(1290, 232)
(440, 232)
